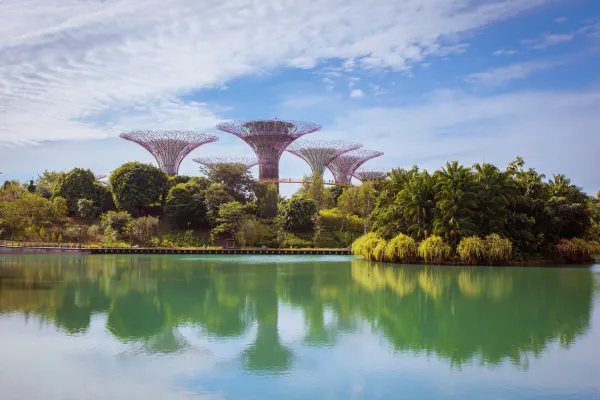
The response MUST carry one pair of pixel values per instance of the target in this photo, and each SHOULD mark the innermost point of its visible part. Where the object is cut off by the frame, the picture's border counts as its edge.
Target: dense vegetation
(477, 214)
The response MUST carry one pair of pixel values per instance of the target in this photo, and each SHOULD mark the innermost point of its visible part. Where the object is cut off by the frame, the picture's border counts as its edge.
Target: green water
(286, 327)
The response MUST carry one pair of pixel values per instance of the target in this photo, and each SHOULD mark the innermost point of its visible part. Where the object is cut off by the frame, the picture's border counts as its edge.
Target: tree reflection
(461, 314)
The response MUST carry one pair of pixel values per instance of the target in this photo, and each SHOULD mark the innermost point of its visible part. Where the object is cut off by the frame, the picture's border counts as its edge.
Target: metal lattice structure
(344, 166)
(371, 174)
(211, 162)
(268, 139)
(319, 153)
(169, 148)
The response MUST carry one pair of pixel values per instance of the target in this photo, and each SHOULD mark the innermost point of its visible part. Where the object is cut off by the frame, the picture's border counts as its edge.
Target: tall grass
(575, 250)
(370, 246)
(401, 248)
(434, 250)
(498, 249)
(472, 250)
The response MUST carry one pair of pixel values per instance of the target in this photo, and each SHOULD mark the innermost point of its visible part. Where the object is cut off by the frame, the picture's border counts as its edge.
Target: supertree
(268, 139)
(169, 148)
(371, 174)
(344, 166)
(211, 162)
(319, 153)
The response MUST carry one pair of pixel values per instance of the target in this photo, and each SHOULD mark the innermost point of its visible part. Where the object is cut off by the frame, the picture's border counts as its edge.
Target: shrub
(365, 246)
(85, 208)
(327, 240)
(296, 242)
(251, 232)
(575, 250)
(143, 229)
(181, 239)
(116, 221)
(433, 249)
(498, 249)
(401, 248)
(74, 233)
(471, 250)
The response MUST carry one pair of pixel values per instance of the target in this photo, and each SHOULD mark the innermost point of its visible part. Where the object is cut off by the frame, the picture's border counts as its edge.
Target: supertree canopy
(319, 153)
(169, 148)
(268, 139)
(370, 174)
(211, 162)
(344, 166)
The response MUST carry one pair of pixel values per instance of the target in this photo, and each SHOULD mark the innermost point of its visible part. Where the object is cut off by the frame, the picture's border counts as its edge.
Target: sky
(424, 81)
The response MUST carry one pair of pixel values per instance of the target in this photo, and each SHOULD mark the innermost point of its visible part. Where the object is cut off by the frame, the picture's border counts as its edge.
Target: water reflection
(459, 314)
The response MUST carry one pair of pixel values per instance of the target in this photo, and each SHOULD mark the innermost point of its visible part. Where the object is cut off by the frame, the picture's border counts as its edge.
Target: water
(306, 327)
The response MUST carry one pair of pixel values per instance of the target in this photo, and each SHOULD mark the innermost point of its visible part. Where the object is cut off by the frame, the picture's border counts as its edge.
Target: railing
(54, 245)
(295, 180)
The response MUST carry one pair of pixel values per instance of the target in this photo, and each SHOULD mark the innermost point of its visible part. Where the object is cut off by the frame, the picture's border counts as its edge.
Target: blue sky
(425, 81)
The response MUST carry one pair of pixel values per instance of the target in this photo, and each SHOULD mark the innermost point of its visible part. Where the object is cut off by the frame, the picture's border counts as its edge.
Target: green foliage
(46, 183)
(77, 184)
(29, 211)
(85, 208)
(337, 190)
(316, 192)
(333, 220)
(434, 250)
(293, 241)
(575, 250)
(236, 179)
(104, 198)
(115, 220)
(297, 214)
(251, 232)
(328, 240)
(472, 250)
(455, 203)
(59, 209)
(231, 218)
(268, 199)
(185, 205)
(215, 196)
(401, 248)
(144, 229)
(416, 203)
(498, 249)
(136, 187)
(371, 246)
(181, 239)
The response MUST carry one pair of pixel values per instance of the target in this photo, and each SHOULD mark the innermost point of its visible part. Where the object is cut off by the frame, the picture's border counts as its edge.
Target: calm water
(124, 327)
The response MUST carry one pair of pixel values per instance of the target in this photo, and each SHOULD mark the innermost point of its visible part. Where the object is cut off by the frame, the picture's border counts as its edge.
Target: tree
(215, 196)
(144, 229)
(297, 213)
(495, 192)
(185, 205)
(86, 208)
(115, 220)
(268, 199)
(337, 190)
(417, 202)
(315, 191)
(74, 185)
(366, 202)
(231, 217)
(46, 183)
(250, 232)
(31, 187)
(59, 209)
(348, 204)
(29, 211)
(136, 187)
(104, 198)
(235, 178)
(456, 200)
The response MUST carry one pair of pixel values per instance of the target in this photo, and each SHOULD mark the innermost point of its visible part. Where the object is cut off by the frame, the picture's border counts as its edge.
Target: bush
(367, 244)
(297, 214)
(143, 229)
(85, 208)
(471, 250)
(434, 250)
(293, 241)
(182, 239)
(115, 220)
(251, 232)
(498, 249)
(327, 240)
(333, 220)
(575, 250)
(401, 248)
(74, 233)
(136, 187)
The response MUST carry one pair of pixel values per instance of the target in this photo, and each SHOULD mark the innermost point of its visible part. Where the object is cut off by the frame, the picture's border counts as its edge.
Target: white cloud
(65, 63)
(553, 131)
(549, 40)
(356, 93)
(560, 19)
(516, 71)
(504, 52)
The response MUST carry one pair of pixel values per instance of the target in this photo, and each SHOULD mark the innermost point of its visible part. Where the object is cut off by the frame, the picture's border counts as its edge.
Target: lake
(293, 327)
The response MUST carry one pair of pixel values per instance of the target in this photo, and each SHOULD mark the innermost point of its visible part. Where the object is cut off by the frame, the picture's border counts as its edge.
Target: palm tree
(456, 200)
(496, 191)
(417, 201)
